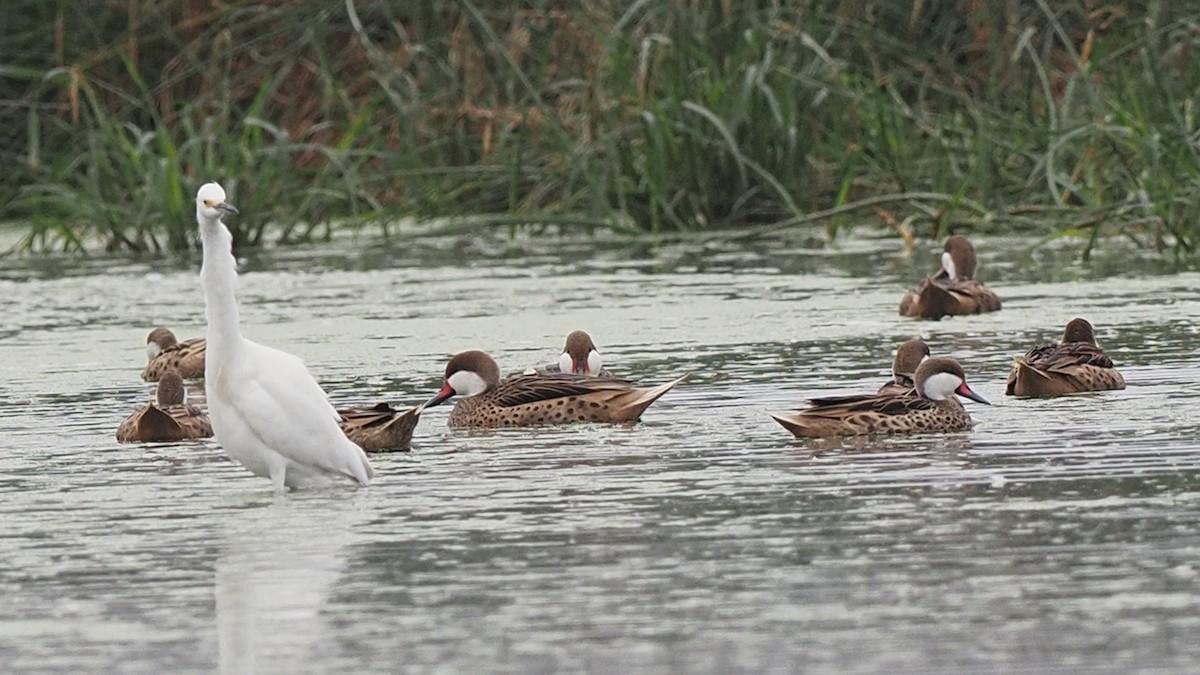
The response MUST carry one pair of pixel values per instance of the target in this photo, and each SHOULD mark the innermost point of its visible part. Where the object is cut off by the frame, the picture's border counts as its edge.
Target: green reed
(655, 115)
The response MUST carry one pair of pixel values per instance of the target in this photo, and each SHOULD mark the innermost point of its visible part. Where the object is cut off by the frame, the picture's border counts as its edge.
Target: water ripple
(1058, 534)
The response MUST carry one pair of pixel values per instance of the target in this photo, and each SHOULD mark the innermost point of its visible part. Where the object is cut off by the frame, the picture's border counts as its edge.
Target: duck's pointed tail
(792, 424)
(153, 424)
(630, 405)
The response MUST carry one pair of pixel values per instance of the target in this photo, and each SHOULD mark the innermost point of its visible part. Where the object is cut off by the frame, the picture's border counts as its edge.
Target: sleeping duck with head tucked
(1073, 366)
(164, 354)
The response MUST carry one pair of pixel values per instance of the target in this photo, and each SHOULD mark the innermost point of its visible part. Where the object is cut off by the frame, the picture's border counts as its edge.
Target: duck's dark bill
(964, 390)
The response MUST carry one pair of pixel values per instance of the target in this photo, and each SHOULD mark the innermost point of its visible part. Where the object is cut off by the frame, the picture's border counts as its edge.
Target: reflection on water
(704, 539)
(273, 575)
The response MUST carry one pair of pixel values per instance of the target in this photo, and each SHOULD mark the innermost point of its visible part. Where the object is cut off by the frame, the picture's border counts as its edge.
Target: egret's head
(210, 203)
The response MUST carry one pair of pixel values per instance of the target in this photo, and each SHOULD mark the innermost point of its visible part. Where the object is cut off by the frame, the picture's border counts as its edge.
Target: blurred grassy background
(1072, 116)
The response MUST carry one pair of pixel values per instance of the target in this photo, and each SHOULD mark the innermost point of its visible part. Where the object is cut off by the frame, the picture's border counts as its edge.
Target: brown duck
(909, 355)
(579, 356)
(168, 419)
(930, 407)
(165, 353)
(527, 400)
(954, 289)
(380, 428)
(1075, 365)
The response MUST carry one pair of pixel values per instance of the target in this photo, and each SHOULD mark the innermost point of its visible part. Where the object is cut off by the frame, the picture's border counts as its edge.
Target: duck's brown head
(1079, 330)
(909, 356)
(958, 259)
(579, 355)
(170, 389)
(467, 374)
(158, 341)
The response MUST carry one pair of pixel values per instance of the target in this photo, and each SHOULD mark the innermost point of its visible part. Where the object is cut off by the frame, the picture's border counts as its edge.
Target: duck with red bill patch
(929, 407)
(528, 400)
(579, 356)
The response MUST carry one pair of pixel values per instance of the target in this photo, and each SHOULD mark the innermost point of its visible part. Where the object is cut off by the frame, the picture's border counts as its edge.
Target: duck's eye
(208, 203)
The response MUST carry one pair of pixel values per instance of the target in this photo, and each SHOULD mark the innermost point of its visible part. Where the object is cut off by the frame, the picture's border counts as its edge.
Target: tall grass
(1073, 117)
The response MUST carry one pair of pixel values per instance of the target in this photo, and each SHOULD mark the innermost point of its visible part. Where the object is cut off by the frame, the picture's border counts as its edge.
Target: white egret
(267, 411)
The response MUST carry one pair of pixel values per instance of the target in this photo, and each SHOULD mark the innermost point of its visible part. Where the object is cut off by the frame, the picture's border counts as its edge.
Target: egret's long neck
(218, 277)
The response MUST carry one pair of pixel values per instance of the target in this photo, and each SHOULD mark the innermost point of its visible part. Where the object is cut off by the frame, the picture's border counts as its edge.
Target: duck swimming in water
(380, 428)
(953, 290)
(579, 356)
(527, 400)
(1073, 366)
(909, 356)
(167, 419)
(927, 408)
(164, 353)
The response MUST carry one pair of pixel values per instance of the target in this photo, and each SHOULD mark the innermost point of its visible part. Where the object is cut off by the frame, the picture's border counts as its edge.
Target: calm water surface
(1058, 536)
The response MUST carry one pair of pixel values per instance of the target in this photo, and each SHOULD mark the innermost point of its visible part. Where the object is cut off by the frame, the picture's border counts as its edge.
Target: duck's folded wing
(1055, 356)
(1086, 354)
(377, 415)
(972, 296)
(192, 348)
(837, 406)
(533, 388)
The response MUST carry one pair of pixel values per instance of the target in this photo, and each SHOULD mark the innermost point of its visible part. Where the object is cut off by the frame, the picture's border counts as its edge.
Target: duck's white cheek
(565, 364)
(152, 350)
(940, 385)
(594, 362)
(466, 383)
(948, 265)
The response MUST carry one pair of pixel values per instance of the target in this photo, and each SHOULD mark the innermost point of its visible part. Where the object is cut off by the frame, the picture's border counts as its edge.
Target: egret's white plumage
(267, 411)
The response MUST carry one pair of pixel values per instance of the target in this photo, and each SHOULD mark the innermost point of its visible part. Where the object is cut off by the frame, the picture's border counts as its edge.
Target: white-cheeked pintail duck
(1073, 366)
(528, 400)
(909, 356)
(167, 419)
(579, 356)
(928, 408)
(165, 353)
(954, 289)
(380, 428)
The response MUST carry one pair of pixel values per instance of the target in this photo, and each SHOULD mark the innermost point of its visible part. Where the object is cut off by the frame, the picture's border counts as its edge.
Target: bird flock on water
(268, 413)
